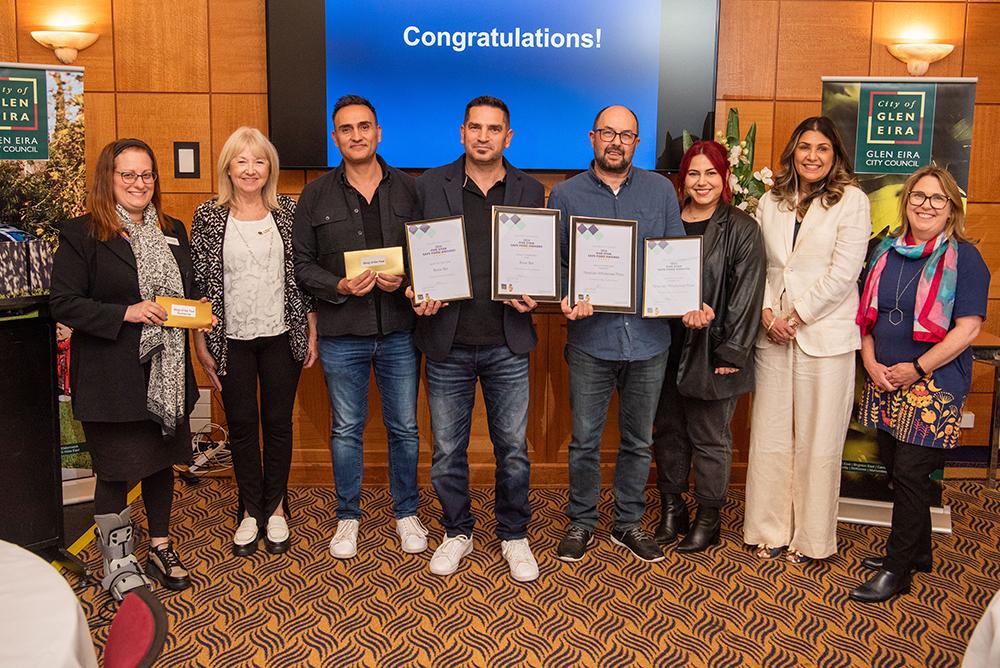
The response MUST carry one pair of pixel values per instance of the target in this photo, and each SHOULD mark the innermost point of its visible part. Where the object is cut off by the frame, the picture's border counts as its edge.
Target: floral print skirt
(922, 414)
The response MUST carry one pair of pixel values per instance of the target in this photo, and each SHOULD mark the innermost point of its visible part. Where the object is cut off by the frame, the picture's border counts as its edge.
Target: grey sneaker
(638, 543)
(574, 544)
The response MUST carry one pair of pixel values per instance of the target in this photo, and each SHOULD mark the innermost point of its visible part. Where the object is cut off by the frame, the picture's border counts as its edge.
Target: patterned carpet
(719, 608)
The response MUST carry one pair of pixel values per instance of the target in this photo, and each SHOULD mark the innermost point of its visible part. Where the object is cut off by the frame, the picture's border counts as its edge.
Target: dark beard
(603, 163)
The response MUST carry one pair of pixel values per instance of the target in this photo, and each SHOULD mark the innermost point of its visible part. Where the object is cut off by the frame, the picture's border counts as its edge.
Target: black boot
(705, 531)
(923, 564)
(674, 518)
(882, 587)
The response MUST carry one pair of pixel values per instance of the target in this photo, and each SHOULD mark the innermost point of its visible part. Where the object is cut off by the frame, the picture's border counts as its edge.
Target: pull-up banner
(894, 126)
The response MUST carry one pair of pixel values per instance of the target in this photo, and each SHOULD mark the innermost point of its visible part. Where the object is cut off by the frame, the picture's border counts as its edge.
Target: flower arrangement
(746, 184)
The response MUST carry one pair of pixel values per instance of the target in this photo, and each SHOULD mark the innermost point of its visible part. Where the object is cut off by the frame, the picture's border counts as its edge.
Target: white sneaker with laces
(345, 543)
(523, 566)
(412, 534)
(449, 553)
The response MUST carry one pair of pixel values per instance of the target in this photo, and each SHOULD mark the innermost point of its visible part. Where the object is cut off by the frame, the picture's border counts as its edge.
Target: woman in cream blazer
(816, 224)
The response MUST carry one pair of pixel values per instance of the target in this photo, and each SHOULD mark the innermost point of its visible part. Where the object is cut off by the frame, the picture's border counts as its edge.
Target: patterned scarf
(935, 289)
(162, 347)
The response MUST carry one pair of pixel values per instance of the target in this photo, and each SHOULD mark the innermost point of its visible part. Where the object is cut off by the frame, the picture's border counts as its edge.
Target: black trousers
(111, 497)
(909, 467)
(262, 481)
(693, 430)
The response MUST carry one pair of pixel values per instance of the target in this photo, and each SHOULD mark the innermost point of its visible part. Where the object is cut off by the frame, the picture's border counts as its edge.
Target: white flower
(764, 176)
(734, 155)
(742, 206)
(734, 184)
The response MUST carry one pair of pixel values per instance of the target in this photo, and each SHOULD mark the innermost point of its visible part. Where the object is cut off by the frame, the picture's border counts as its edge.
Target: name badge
(173, 241)
(266, 230)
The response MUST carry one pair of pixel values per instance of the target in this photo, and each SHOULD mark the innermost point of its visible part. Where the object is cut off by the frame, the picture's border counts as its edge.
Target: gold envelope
(381, 260)
(187, 313)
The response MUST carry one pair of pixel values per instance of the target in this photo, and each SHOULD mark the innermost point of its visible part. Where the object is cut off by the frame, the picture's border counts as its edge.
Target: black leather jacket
(733, 285)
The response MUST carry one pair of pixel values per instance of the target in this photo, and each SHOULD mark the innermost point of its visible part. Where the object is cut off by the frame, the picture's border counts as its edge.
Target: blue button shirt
(651, 200)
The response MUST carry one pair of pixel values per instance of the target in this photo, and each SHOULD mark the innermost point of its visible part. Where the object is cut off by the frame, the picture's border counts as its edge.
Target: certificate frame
(580, 226)
(652, 247)
(419, 278)
(502, 218)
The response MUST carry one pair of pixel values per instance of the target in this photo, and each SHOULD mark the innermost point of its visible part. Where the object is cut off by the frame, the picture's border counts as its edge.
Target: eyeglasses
(607, 134)
(128, 178)
(937, 202)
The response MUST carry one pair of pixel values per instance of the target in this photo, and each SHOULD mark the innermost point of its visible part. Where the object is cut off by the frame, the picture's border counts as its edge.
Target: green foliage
(37, 194)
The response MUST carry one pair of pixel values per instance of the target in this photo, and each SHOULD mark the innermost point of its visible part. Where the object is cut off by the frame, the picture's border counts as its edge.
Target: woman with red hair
(711, 354)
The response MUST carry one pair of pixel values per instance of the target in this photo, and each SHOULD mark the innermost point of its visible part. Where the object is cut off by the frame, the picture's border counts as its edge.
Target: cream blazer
(818, 278)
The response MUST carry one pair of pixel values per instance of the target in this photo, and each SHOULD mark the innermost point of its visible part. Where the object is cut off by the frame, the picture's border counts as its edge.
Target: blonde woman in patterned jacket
(241, 246)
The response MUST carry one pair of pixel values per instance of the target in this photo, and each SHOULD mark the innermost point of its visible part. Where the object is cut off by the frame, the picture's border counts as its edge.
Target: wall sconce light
(66, 44)
(918, 57)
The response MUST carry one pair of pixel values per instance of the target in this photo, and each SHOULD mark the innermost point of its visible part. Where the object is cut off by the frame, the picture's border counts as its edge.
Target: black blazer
(93, 284)
(439, 195)
(732, 283)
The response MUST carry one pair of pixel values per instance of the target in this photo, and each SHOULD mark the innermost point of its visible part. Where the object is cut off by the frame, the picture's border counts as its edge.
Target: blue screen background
(420, 92)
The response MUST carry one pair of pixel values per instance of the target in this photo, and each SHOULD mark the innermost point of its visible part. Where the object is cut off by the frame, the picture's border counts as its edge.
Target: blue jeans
(592, 381)
(451, 394)
(347, 363)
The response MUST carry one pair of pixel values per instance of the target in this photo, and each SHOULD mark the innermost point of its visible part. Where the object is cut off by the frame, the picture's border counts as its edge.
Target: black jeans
(263, 484)
(693, 430)
(909, 467)
(111, 497)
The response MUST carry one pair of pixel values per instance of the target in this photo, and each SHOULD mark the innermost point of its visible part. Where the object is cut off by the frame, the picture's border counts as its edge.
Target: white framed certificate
(672, 282)
(602, 263)
(439, 262)
(525, 254)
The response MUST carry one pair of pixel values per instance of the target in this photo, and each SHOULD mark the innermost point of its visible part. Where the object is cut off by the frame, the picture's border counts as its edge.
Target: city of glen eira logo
(896, 117)
(18, 104)
(895, 123)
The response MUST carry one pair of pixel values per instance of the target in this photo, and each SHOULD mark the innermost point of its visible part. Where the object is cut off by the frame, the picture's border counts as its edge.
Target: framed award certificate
(602, 263)
(439, 262)
(672, 277)
(525, 254)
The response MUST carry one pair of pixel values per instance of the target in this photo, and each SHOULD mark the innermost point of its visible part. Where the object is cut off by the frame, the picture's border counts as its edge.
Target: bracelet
(792, 322)
(919, 369)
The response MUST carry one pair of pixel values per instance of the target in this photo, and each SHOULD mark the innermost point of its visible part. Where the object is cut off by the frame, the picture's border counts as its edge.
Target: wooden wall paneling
(760, 112)
(748, 48)
(291, 181)
(83, 15)
(899, 22)
(160, 119)
(8, 32)
(981, 54)
(161, 46)
(313, 174)
(538, 379)
(787, 116)
(979, 403)
(182, 205)
(311, 431)
(230, 112)
(100, 126)
(237, 46)
(984, 165)
(820, 38)
(992, 323)
(982, 221)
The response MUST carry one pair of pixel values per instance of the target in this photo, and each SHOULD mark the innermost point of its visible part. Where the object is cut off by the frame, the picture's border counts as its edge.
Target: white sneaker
(412, 534)
(449, 554)
(523, 566)
(345, 543)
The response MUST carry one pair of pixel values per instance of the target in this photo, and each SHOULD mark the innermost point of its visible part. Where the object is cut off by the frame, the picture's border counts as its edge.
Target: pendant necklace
(896, 314)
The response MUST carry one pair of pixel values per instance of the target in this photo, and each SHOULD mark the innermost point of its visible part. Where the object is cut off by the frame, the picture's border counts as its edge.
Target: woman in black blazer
(133, 386)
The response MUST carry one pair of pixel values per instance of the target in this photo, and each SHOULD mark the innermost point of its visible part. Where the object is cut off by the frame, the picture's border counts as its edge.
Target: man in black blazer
(479, 339)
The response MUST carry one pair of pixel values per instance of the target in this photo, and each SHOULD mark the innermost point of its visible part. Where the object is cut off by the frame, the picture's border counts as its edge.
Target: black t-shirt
(480, 321)
(371, 218)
